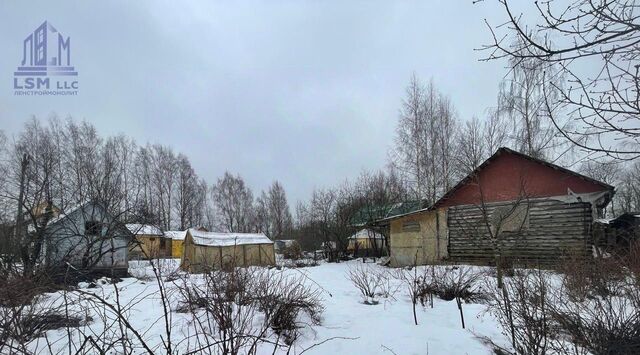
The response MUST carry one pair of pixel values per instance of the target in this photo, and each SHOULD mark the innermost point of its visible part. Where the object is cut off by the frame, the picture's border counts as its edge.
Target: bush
(292, 251)
(22, 323)
(367, 280)
(591, 277)
(522, 309)
(34, 325)
(588, 313)
(284, 299)
(603, 325)
(231, 300)
(633, 262)
(606, 319)
(446, 282)
(455, 282)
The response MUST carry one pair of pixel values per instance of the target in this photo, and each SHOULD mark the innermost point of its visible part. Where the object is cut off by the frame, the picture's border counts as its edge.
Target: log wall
(553, 229)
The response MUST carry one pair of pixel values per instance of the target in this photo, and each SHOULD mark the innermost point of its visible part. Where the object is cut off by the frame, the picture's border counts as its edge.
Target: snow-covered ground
(385, 328)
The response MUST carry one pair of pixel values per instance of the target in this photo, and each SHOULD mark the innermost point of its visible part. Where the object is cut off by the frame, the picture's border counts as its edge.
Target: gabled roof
(227, 239)
(143, 229)
(369, 214)
(175, 235)
(505, 150)
(62, 214)
(476, 171)
(80, 207)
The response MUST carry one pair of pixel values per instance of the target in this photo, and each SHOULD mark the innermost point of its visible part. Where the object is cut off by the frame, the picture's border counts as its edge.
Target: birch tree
(424, 143)
(594, 45)
(523, 100)
(279, 213)
(234, 203)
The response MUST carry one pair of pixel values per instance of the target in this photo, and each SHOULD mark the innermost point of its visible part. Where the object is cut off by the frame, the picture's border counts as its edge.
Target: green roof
(369, 214)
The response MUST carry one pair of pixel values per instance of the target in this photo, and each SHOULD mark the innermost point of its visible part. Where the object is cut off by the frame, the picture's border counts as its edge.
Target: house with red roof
(525, 209)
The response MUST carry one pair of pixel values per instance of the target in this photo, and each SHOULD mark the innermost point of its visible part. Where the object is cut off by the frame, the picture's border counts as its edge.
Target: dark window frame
(93, 227)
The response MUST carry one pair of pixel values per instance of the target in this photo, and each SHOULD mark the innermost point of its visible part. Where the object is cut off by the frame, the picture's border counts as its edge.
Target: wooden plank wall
(554, 229)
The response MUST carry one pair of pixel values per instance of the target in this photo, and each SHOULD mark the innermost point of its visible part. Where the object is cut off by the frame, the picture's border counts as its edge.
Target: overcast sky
(304, 92)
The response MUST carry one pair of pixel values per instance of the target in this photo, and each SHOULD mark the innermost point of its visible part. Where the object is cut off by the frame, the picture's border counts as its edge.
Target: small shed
(281, 244)
(366, 242)
(177, 240)
(207, 250)
(87, 237)
(533, 212)
(151, 242)
(617, 235)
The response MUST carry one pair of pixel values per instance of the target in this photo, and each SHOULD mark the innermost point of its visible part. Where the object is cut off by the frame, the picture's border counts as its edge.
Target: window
(163, 243)
(92, 228)
(411, 226)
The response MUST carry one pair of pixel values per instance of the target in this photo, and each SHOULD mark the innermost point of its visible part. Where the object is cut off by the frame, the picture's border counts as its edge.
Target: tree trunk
(19, 232)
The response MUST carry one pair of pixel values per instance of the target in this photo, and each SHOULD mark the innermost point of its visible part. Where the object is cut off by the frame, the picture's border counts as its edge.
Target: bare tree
(190, 195)
(234, 203)
(471, 148)
(164, 176)
(409, 154)
(602, 105)
(423, 151)
(477, 140)
(523, 98)
(261, 215)
(322, 210)
(91, 169)
(495, 131)
(279, 214)
(446, 130)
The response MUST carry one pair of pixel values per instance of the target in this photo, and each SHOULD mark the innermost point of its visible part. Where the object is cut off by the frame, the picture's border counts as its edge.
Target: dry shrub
(522, 309)
(34, 325)
(225, 306)
(367, 280)
(284, 299)
(292, 252)
(633, 261)
(17, 290)
(221, 313)
(575, 276)
(606, 320)
(191, 302)
(454, 282)
(591, 277)
(25, 313)
(388, 285)
(22, 323)
(506, 264)
(588, 313)
(602, 325)
(449, 283)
